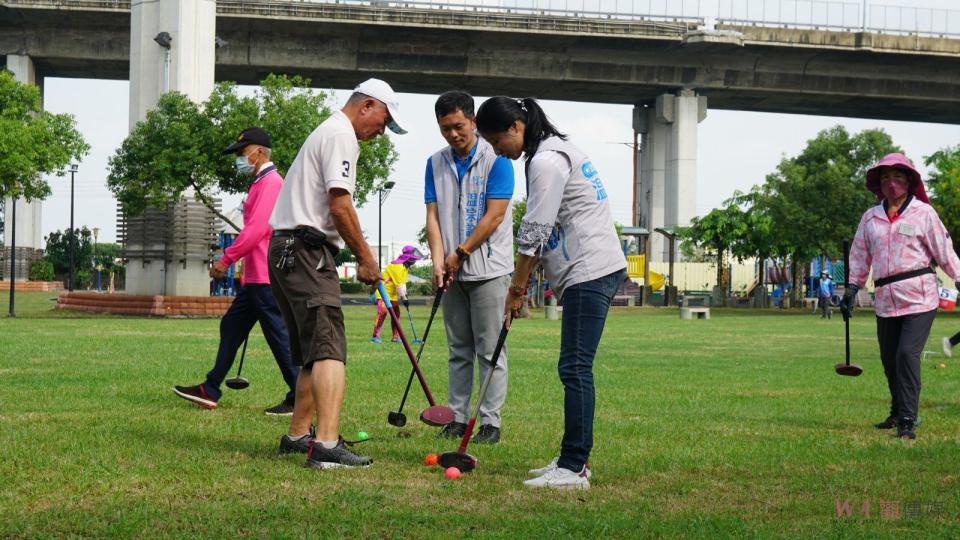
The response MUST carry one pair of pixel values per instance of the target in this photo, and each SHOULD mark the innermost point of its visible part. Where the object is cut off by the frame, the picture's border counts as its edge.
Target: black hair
(453, 101)
(498, 113)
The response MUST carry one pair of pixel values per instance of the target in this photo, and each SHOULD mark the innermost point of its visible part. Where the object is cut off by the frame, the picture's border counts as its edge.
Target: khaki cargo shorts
(309, 299)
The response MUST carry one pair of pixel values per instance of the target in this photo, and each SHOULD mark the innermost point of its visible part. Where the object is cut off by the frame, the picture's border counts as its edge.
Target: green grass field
(732, 427)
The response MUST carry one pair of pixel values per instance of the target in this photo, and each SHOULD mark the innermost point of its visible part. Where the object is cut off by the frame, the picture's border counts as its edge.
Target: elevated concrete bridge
(669, 69)
(803, 71)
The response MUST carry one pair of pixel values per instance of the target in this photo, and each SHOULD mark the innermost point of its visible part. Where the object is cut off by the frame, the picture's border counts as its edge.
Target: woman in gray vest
(568, 227)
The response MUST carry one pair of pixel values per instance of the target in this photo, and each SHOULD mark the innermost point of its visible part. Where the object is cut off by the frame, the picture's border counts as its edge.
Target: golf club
(434, 415)
(461, 459)
(238, 382)
(397, 418)
(847, 369)
(416, 340)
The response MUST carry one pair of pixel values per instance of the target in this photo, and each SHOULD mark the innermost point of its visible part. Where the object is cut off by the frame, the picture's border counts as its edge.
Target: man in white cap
(313, 218)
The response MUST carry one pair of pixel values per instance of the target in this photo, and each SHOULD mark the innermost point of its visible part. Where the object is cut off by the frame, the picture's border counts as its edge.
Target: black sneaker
(905, 429)
(319, 457)
(453, 430)
(488, 434)
(197, 395)
(889, 423)
(296, 446)
(285, 408)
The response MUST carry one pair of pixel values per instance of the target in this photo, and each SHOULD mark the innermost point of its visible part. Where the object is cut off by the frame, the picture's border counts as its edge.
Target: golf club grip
(406, 344)
(501, 340)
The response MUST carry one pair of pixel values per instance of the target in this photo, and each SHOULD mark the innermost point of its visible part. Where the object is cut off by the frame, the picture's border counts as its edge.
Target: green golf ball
(362, 436)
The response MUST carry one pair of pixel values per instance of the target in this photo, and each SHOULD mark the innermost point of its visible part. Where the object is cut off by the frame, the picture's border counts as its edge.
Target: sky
(735, 150)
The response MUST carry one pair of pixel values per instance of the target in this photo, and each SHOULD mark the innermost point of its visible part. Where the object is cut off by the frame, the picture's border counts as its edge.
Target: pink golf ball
(451, 473)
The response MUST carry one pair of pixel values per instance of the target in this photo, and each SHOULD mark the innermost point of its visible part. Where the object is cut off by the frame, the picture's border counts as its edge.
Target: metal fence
(656, 10)
(843, 16)
(838, 15)
(803, 13)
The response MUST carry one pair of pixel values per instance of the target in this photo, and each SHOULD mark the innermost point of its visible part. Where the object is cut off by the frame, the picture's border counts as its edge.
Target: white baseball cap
(381, 91)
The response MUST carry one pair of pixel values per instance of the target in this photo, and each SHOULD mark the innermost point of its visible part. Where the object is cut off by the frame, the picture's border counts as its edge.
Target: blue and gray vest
(461, 205)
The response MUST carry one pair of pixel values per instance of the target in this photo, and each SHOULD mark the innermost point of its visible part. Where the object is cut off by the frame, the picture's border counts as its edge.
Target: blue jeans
(585, 307)
(254, 302)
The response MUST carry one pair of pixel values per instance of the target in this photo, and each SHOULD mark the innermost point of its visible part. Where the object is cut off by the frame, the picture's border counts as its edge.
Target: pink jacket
(254, 239)
(908, 243)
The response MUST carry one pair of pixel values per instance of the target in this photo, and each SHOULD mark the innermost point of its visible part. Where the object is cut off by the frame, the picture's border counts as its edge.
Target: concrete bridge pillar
(171, 49)
(667, 183)
(181, 61)
(29, 214)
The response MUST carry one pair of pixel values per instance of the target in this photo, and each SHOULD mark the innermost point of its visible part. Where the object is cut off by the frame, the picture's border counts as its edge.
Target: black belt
(902, 276)
(310, 237)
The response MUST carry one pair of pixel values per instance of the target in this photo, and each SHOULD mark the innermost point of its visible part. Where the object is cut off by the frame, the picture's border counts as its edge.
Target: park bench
(688, 312)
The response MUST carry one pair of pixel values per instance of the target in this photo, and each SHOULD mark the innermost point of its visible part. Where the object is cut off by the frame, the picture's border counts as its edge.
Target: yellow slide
(635, 270)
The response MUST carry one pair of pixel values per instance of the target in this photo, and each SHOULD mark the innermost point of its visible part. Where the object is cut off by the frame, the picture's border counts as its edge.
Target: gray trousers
(473, 315)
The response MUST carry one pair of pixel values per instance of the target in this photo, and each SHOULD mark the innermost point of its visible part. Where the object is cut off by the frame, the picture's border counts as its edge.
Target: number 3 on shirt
(346, 169)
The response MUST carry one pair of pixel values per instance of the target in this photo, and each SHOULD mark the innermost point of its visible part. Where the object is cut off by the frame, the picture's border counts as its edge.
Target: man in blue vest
(470, 231)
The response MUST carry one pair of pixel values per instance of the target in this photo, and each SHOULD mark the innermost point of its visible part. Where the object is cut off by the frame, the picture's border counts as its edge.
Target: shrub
(41, 271)
(352, 287)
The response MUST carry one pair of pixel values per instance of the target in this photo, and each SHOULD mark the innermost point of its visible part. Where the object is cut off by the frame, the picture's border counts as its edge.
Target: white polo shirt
(327, 160)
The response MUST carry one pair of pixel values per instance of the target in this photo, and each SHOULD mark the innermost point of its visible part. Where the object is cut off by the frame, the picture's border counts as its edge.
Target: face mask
(892, 190)
(243, 166)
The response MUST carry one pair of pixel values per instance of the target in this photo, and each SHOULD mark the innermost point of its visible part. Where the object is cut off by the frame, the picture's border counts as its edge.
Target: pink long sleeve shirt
(254, 239)
(908, 242)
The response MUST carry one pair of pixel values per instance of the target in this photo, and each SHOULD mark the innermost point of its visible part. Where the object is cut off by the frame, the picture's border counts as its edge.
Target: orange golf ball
(452, 473)
(430, 460)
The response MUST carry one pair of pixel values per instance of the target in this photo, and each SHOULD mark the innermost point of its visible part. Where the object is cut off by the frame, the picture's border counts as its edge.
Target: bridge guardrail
(836, 15)
(842, 15)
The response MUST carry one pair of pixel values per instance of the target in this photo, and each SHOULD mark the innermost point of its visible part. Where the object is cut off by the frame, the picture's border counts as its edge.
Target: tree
(57, 251)
(178, 146)
(716, 232)
(519, 209)
(816, 199)
(944, 185)
(33, 142)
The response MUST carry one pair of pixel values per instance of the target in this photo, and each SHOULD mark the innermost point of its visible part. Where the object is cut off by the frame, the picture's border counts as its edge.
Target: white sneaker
(553, 465)
(560, 478)
(947, 347)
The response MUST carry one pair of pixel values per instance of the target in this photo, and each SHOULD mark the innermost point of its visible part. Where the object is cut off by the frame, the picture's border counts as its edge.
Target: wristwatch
(462, 252)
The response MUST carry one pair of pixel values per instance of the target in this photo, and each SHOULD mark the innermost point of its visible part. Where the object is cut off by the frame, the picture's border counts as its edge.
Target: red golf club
(848, 369)
(461, 459)
(434, 415)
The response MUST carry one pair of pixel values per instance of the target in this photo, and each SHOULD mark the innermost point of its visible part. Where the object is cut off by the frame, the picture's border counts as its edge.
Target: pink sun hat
(898, 161)
(408, 254)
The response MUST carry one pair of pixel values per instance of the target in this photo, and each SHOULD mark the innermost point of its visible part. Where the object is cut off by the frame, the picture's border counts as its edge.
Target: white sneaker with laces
(553, 465)
(560, 478)
(947, 347)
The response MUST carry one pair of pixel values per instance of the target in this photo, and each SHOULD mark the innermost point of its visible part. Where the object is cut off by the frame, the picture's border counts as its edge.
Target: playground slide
(635, 270)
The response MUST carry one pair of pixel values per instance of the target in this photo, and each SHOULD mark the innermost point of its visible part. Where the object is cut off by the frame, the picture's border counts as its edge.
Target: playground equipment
(635, 271)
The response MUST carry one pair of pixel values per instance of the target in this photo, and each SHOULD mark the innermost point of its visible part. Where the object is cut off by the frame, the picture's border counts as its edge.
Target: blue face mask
(243, 166)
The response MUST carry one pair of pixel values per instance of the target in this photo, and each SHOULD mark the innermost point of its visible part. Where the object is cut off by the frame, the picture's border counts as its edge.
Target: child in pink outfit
(898, 239)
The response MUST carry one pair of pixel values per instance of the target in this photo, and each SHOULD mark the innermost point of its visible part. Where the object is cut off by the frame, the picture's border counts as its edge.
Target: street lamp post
(12, 212)
(96, 263)
(73, 251)
(383, 191)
